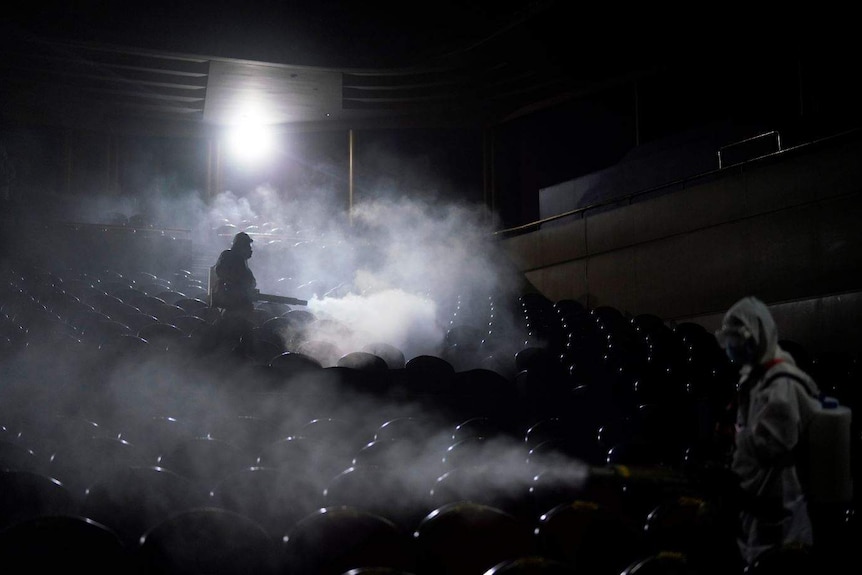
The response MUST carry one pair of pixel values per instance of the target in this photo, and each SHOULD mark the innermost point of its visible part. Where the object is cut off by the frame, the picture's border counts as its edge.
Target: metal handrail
(751, 139)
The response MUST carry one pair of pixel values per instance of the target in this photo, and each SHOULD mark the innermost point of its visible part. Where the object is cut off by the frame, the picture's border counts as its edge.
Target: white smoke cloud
(407, 321)
(393, 270)
(389, 270)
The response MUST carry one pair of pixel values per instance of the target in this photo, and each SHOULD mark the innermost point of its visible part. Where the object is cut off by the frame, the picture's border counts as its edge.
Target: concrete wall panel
(785, 231)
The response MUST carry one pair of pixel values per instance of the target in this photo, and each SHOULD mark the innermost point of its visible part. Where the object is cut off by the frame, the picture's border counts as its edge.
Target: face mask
(741, 351)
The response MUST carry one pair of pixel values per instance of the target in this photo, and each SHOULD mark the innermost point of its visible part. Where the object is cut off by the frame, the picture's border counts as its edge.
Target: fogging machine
(212, 278)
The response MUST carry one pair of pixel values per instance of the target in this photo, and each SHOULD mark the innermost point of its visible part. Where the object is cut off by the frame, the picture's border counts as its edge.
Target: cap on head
(242, 239)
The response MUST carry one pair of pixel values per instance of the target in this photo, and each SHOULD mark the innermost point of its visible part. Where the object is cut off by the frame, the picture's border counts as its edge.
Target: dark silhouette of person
(234, 290)
(235, 287)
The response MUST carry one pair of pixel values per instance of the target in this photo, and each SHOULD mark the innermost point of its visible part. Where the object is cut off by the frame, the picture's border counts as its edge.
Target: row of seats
(460, 538)
(582, 429)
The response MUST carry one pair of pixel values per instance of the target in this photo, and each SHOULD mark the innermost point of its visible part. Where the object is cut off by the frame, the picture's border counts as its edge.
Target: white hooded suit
(769, 422)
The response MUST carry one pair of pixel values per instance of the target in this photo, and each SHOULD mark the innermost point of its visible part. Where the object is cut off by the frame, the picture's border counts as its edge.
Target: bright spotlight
(251, 143)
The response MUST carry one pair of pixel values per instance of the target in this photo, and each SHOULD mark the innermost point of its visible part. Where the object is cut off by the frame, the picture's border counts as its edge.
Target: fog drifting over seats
(393, 267)
(394, 270)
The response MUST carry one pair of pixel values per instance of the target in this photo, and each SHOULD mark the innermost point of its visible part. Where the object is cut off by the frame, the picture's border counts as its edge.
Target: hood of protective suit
(752, 315)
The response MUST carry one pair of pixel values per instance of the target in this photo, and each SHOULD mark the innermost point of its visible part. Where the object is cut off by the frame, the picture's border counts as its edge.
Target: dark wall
(432, 163)
(804, 91)
(783, 228)
(557, 144)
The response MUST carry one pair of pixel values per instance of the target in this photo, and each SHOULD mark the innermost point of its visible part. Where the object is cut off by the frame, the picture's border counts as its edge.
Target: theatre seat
(301, 317)
(157, 435)
(556, 428)
(334, 432)
(149, 305)
(209, 314)
(398, 494)
(309, 457)
(188, 323)
(504, 486)
(17, 457)
(554, 451)
(62, 304)
(164, 336)
(193, 290)
(377, 571)
(249, 432)
(663, 563)
(167, 313)
(417, 429)
(171, 296)
(125, 346)
(137, 320)
(131, 500)
(635, 452)
(81, 288)
(206, 460)
(153, 287)
(393, 356)
(565, 484)
(610, 320)
(691, 333)
(333, 540)
(273, 309)
(386, 453)
(288, 329)
(480, 392)
(84, 319)
(48, 432)
(63, 544)
(533, 565)
(290, 364)
(465, 538)
(260, 316)
(696, 527)
(105, 331)
(26, 495)
(113, 282)
(568, 307)
(207, 540)
(192, 306)
(589, 537)
(482, 427)
(429, 374)
(362, 360)
(85, 462)
(364, 380)
(110, 305)
(128, 294)
(325, 352)
(274, 497)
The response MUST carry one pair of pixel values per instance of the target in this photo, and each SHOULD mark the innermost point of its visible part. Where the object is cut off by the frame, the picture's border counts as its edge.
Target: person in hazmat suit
(234, 291)
(234, 285)
(772, 411)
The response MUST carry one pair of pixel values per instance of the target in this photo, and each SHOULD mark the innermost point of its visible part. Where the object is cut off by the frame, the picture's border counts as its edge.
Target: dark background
(623, 78)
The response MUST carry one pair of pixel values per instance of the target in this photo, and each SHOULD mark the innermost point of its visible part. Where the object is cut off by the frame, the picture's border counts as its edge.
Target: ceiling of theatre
(338, 64)
(331, 63)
